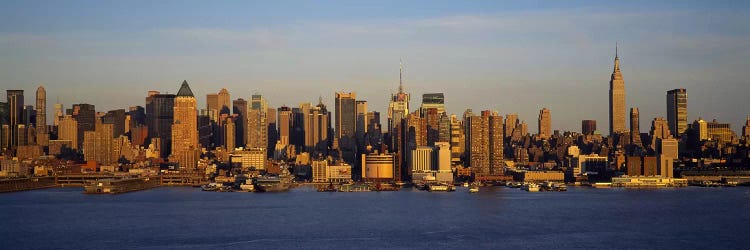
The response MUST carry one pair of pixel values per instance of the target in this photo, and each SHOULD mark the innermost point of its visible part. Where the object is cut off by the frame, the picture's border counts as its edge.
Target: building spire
(400, 76)
(617, 60)
(616, 50)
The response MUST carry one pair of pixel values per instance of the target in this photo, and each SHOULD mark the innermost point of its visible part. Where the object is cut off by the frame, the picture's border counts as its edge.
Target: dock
(117, 186)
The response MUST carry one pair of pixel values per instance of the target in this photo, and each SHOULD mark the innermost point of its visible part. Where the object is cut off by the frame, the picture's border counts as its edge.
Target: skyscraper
(746, 131)
(545, 123)
(511, 121)
(212, 106)
(15, 110)
(361, 119)
(229, 134)
(68, 130)
(98, 144)
(635, 131)
(257, 126)
(159, 118)
(239, 108)
(588, 127)
(117, 119)
(458, 140)
(185, 127)
(224, 102)
(316, 129)
(721, 132)
(58, 113)
(616, 99)
(42, 137)
(85, 115)
(433, 100)
(285, 124)
(346, 114)
(659, 130)
(677, 111)
(484, 143)
(398, 108)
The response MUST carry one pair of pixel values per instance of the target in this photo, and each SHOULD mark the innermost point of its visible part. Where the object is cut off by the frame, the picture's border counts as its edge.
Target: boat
(513, 184)
(440, 187)
(247, 186)
(531, 187)
(327, 188)
(474, 189)
(560, 187)
(466, 184)
(213, 186)
(273, 183)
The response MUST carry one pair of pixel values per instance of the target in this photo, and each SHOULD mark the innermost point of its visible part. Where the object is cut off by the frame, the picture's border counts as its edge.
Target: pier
(14, 185)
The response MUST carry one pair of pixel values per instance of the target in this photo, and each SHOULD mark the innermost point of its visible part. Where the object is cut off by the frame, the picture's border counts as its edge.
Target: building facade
(677, 111)
(616, 99)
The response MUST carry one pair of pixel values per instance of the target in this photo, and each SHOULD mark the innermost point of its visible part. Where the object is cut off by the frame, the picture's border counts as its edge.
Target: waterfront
(496, 217)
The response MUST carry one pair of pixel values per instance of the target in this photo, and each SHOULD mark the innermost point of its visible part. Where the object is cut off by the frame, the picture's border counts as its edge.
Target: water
(496, 217)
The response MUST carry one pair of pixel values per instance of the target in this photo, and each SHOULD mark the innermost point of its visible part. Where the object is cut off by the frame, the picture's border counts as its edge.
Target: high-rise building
(616, 99)
(511, 121)
(346, 115)
(4, 136)
(659, 130)
(444, 128)
(635, 131)
(159, 117)
(458, 141)
(224, 102)
(420, 160)
(545, 123)
(484, 143)
(229, 136)
(273, 133)
(588, 127)
(239, 108)
(68, 130)
(85, 115)
(701, 127)
(58, 113)
(667, 147)
(42, 137)
(721, 132)
(212, 105)
(433, 100)
(398, 109)
(117, 119)
(98, 144)
(416, 131)
(257, 126)
(677, 111)
(361, 117)
(316, 129)
(285, 124)
(185, 128)
(15, 110)
(746, 130)
(432, 119)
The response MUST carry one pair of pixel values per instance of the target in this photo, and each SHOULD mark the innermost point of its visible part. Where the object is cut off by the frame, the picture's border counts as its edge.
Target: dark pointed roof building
(185, 90)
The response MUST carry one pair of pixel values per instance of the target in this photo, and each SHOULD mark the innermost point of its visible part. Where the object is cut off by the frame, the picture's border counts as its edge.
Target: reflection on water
(496, 217)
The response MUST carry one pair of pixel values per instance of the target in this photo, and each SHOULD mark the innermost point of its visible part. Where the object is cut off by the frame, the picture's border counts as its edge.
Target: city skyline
(557, 52)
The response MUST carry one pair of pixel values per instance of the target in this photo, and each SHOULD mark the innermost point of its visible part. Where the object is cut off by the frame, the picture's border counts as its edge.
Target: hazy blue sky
(505, 56)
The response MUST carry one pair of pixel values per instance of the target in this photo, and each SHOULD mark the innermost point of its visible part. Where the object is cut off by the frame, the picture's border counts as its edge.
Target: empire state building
(616, 100)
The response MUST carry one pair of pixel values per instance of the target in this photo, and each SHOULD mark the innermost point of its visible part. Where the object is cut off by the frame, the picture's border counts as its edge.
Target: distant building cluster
(418, 144)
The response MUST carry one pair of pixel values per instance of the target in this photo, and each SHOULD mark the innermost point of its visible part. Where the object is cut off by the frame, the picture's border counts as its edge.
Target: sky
(512, 57)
